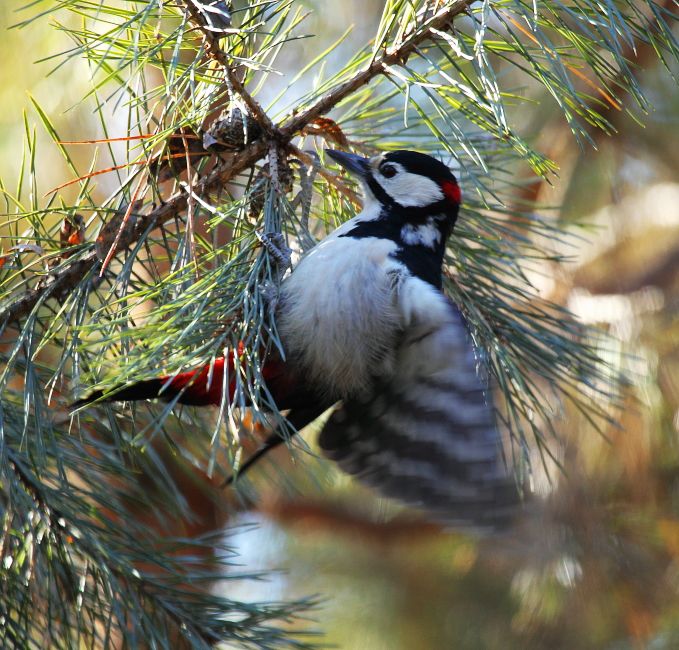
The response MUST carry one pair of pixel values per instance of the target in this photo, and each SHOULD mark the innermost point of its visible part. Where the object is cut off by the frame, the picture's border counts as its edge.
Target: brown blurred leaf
(648, 258)
(668, 530)
(333, 518)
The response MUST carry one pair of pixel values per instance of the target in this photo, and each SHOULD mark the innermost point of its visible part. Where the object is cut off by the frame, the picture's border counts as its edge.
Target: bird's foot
(275, 246)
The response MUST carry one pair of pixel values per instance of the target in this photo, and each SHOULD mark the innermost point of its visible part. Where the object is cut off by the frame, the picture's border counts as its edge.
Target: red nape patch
(452, 191)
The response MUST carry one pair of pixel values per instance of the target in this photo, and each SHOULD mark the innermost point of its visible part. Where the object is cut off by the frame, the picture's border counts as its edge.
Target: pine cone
(233, 130)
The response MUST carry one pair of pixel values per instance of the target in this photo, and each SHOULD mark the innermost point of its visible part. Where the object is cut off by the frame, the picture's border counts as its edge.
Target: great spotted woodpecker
(366, 329)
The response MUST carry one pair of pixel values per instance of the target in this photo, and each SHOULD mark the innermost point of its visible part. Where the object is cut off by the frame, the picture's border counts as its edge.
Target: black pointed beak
(350, 161)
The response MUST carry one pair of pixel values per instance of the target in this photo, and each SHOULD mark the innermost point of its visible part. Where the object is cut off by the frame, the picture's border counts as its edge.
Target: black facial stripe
(424, 262)
(383, 228)
(415, 213)
(378, 191)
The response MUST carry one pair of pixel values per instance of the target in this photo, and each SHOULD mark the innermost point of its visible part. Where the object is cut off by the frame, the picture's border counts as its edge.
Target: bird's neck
(419, 234)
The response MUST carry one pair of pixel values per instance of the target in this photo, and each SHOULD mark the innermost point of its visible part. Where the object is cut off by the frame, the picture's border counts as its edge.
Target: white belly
(338, 316)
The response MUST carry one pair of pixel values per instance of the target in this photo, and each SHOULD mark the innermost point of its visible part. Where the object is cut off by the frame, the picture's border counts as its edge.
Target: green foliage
(77, 569)
(189, 279)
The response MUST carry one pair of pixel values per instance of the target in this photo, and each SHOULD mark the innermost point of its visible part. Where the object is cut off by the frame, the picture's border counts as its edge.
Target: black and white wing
(426, 434)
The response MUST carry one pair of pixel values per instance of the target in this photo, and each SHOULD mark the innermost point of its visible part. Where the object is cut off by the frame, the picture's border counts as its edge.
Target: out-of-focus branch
(66, 278)
(335, 520)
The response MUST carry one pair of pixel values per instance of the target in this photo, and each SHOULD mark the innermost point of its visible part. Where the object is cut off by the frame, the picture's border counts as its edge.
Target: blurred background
(599, 566)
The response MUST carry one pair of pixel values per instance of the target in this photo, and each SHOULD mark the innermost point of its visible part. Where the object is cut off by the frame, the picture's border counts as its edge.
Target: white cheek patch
(410, 190)
(426, 234)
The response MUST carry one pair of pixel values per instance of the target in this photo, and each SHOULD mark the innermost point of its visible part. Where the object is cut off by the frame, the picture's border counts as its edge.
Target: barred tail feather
(427, 435)
(448, 467)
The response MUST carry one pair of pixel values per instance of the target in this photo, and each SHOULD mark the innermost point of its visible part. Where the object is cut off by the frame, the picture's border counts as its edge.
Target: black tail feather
(147, 389)
(298, 418)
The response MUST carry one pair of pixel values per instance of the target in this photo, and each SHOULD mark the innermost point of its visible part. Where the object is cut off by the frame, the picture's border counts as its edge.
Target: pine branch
(642, 53)
(215, 50)
(193, 282)
(62, 281)
(59, 525)
(139, 581)
(441, 21)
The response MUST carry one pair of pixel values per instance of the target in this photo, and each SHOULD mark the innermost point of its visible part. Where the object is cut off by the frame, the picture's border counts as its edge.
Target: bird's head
(412, 186)
(411, 199)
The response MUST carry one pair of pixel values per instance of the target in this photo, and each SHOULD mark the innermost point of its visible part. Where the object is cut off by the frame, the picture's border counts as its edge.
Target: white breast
(338, 318)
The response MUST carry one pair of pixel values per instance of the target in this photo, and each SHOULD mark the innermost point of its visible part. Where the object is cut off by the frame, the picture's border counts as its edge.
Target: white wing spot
(426, 234)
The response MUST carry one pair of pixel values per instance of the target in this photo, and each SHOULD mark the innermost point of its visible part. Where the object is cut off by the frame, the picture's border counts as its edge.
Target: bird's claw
(275, 246)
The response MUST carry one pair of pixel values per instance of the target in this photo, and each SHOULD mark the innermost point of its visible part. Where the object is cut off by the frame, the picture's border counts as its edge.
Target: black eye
(388, 171)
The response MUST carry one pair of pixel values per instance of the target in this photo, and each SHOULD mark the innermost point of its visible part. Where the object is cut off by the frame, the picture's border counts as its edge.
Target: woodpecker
(367, 330)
